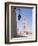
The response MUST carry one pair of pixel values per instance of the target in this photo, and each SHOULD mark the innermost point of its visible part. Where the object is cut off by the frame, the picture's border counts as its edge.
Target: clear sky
(24, 12)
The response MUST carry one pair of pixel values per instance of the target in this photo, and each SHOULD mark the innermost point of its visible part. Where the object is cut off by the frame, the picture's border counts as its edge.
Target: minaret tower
(24, 24)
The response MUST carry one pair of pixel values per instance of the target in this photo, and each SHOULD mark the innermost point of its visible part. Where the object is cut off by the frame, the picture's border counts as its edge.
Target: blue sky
(24, 12)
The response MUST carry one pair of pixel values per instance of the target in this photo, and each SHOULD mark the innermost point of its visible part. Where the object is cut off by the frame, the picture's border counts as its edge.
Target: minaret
(24, 31)
(24, 24)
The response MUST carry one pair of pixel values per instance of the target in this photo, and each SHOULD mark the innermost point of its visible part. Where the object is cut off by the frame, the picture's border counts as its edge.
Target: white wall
(2, 10)
(37, 22)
